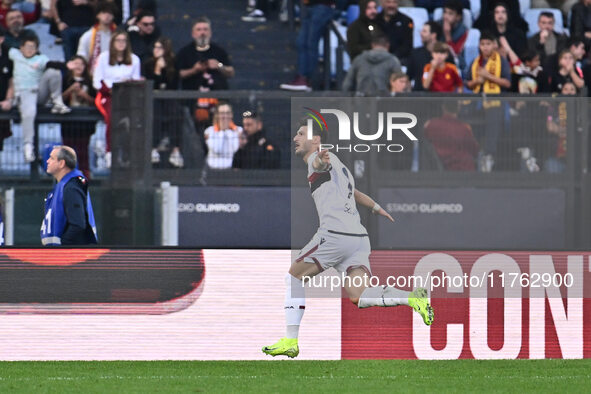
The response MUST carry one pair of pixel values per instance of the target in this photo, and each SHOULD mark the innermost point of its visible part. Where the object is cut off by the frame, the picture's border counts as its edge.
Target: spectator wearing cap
(360, 32)
(370, 71)
(439, 75)
(96, 40)
(6, 87)
(29, 17)
(143, 35)
(257, 152)
(15, 23)
(398, 27)
(73, 18)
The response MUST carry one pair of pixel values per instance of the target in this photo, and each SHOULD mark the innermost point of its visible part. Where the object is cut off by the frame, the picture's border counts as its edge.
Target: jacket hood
(376, 56)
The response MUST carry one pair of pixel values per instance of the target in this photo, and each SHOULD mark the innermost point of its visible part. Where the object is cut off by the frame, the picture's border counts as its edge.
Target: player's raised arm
(322, 161)
(367, 201)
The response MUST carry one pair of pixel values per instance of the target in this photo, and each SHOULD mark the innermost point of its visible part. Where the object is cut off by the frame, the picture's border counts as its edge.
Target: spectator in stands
(454, 30)
(580, 25)
(547, 42)
(202, 64)
(34, 84)
(567, 72)
(161, 69)
(77, 91)
(96, 40)
(420, 57)
(439, 75)
(16, 31)
(141, 6)
(452, 139)
(399, 83)
(316, 14)
(73, 18)
(490, 73)
(502, 27)
(486, 19)
(222, 138)
(564, 5)
(431, 5)
(529, 77)
(28, 17)
(118, 64)
(576, 46)
(6, 88)
(398, 27)
(143, 35)
(369, 73)
(256, 10)
(258, 152)
(360, 32)
(557, 130)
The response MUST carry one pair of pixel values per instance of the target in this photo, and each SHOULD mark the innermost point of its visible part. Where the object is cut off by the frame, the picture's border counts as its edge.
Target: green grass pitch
(296, 376)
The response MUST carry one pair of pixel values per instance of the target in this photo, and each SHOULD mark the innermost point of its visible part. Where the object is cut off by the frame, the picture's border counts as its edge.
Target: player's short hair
(107, 8)
(450, 106)
(29, 37)
(396, 76)
(67, 154)
(440, 47)
(323, 134)
(380, 39)
(487, 35)
(574, 41)
(529, 55)
(455, 5)
(436, 29)
(201, 19)
(546, 14)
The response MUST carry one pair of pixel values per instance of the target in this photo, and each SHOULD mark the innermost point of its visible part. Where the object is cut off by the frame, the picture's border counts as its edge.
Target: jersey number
(46, 225)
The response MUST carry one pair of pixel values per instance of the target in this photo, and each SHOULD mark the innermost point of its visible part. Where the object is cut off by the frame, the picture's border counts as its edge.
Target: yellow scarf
(493, 66)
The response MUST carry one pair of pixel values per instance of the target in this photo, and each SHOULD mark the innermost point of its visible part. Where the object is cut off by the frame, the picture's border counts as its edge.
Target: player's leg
(364, 296)
(295, 300)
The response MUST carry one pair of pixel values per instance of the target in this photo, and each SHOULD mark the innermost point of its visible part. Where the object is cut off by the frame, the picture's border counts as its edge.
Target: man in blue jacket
(69, 219)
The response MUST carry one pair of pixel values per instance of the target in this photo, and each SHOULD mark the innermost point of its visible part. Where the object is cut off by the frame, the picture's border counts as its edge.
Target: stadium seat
(352, 13)
(532, 15)
(524, 5)
(438, 15)
(419, 16)
(471, 47)
(474, 8)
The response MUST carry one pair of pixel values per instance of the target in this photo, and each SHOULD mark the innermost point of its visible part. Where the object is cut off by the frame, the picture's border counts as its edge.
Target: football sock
(295, 305)
(383, 296)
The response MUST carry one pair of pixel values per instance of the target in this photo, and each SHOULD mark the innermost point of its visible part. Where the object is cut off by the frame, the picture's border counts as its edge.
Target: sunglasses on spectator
(148, 23)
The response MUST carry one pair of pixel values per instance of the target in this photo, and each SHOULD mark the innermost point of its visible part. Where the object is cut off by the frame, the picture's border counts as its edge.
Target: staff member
(69, 219)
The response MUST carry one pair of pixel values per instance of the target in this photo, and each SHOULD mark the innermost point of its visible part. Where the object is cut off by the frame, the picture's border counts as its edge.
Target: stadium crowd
(483, 47)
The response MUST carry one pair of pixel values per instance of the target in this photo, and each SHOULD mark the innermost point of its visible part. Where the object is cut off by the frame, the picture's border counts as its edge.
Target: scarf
(95, 45)
(493, 66)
